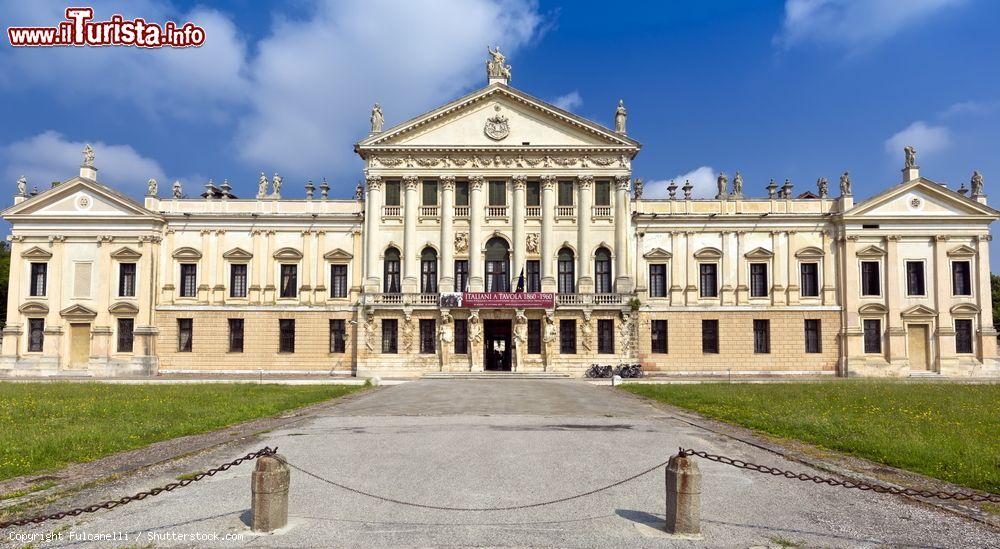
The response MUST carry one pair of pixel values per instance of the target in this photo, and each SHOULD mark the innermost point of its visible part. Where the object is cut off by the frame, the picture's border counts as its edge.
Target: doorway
(917, 346)
(497, 345)
(79, 344)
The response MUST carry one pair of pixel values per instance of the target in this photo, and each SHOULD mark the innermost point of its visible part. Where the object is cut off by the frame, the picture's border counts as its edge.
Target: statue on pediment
(88, 156)
(377, 119)
(976, 183)
(620, 116)
(845, 184)
(911, 156)
(262, 186)
(276, 185)
(151, 187)
(22, 186)
(496, 66)
(738, 184)
(178, 192)
(722, 182)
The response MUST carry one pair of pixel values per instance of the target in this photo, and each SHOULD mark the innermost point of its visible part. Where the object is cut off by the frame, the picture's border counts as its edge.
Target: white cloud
(569, 102)
(970, 108)
(703, 179)
(926, 139)
(853, 24)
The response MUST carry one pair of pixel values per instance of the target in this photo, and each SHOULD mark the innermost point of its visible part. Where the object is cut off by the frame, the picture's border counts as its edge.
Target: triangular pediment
(920, 198)
(78, 312)
(123, 308)
(126, 254)
(527, 119)
(238, 254)
(810, 252)
(759, 253)
(337, 255)
(79, 197)
(657, 253)
(35, 252)
(708, 253)
(288, 254)
(187, 253)
(871, 251)
(962, 251)
(918, 311)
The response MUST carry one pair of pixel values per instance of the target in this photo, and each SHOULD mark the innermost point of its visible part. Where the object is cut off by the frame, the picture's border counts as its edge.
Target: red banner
(511, 300)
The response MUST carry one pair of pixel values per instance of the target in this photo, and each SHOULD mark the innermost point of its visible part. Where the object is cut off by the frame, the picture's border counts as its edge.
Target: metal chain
(446, 508)
(111, 504)
(864, 486)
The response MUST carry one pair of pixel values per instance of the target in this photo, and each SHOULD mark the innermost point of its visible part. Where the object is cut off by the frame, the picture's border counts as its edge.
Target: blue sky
(797, 89)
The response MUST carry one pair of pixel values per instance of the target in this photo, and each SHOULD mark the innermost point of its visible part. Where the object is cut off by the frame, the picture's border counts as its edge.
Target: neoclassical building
(500, 233)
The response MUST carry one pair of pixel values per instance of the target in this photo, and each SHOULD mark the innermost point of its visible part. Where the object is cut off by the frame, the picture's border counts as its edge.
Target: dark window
(567, 275)
(567, 337)
(761, 335)
(914, 278)
(430, 193)
(498, 193)
(709, 282)
(462, 193)
(814, 336)
(390, 331)
(658, 280)
(38, 275)
(189, 280)
(338, 280)
(461, 336)
(497, 266)
(534, 336)
(758, 280)
(658, 336)
(961, 278)
(429, 271)
(565, 191)
(392, 193)
(870, 284)
(286, 335)
(289, 280)
(390, 278)
(185, 334)
(533, 280)
(809, 284)
(963, 336)
(710, 336)
(873, 336)
(605, 336)
(238, 280)
(235, 335)
(36, 334)
(602, 271)
(461, 275)
(126, 279)
(427, 329)
(125, 326)
(338, 336)
(534, 193)
(602, 193)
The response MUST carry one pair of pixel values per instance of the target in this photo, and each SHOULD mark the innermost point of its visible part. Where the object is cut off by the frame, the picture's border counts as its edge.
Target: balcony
(533, 211)
(428, 211)
(392, 211)
(496, 211)
(401, 299)
(564, 300)
(565, 211)
(602, 211)
(461, 211)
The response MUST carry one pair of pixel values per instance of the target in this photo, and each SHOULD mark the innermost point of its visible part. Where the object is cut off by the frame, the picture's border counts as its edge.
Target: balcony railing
(533, 211)
(392, 211)
(566, 211)
(496, 211)
(428, 211)
(461, 211)
(402, 299)
(590, 299)
(602, 211)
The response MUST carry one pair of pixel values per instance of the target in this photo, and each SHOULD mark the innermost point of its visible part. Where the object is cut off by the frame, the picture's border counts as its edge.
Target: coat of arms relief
(497, 126)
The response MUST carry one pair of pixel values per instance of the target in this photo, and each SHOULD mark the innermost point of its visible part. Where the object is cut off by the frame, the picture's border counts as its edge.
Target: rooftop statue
(911, 156)
(178, 193)
(151, 187)
(845, 184)
(620, 116)
(496, 66)
(738, 184)
(977, 184)
(377, 119)
(262, 186)
(723, 183)
(22, 186)
(276, 185)
(88, 156)
(823, 186)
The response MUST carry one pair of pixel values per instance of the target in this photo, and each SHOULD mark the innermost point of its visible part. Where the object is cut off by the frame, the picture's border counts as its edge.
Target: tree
(4, 279)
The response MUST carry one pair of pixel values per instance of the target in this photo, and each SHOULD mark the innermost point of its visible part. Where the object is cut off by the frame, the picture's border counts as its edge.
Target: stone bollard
(269, 494)
(616, 381)
(683, 497)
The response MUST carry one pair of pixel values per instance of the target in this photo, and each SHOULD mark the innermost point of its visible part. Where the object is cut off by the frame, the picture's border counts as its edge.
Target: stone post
(520, 186)
(946, 357)
(791, 276)
(548, 245)
(269, 494)
(584, 218)
(893, 287)
(829, 261)
(623, 279)
(476, 215)
(683, 516)
(373, 206)
(411, 263)
(447, 244)
(742, 289)
(691, 289)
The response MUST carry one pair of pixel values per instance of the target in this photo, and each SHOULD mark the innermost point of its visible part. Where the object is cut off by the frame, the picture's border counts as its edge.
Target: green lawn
(947, 431)
(49, 425)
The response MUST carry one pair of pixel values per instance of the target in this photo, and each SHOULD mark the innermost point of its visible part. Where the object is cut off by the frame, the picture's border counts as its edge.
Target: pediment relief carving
(965, 309)
(35, 252)
(918, 311)
(123, 308)
(657, 253)
(126, 254)
(872, 309)
(337, 255)
(962, 251)
(238, 254)
(187, 253)
(871, 251)
(810, 252)
(288, 254)
(759, 253)
(708, 253)
(78, 312)
(34, 308)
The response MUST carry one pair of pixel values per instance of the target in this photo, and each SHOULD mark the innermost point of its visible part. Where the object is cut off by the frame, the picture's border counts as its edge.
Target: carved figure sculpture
(531, 243)
(823, 186)
(620, 116)
(276, 185)
(151, 187)
(88, 156)
(461, 242)
(639, 184)
(722, 182)
(911, 156)
(178, 193)
(496, 66)
(845, 184)
(976, 183)
(262, 186)
(377, 119)
(738, 184)
(22, 186)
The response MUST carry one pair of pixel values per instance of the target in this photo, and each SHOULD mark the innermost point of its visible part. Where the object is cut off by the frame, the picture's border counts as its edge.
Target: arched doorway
(497, 265)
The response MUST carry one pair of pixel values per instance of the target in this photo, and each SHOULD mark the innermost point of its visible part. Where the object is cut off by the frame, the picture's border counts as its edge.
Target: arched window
(567, 274)
(602, 271)
(428, 271)
(497, 265)
(390, 276)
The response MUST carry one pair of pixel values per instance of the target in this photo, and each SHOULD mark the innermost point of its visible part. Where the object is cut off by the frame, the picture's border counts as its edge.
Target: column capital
(893, 237)
(622, 181)
(447, 182)
(585, 181)
(410, 181)
(374, 182)
(985, 237)
(942, 237)
(476, 182)
(520, 181)
(548, 182)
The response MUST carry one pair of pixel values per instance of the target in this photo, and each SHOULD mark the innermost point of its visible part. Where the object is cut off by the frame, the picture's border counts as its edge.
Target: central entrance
(497, 345)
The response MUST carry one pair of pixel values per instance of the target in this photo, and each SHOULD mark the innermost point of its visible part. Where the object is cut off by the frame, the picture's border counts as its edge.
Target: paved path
(507, 442)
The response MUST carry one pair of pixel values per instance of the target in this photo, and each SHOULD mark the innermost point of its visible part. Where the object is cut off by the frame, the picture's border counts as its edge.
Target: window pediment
(337, 255)
(187, 253)
(123, 308)
(657, 253)
(918, 311)
(962, 251)
(811, 252)
(238, 254)
(78, 312)
(871, 251)
(126, 254)
(965, 309)
(872, 309)
(708, 253)
(34, 308)
(288, 254)
(35, 252)
(759, 253)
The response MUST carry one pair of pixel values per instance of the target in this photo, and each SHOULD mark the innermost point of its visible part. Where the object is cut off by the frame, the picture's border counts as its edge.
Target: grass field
(49, 425)
(947, 431)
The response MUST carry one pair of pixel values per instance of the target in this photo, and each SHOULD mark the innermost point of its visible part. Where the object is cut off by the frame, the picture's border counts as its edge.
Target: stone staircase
(496, 375)
(924, 374)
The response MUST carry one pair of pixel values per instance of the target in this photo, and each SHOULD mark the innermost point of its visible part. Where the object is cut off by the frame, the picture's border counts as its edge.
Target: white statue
(520, 327)
(22, 186)
(845, 184)
(586, 330)
(976, 183)
(446, 332)
(475, 328)
(461, 242)
(262, 186)
(88, 156)
(637, 188)
(496, 67)
(911, 156)
(377, 120)
(620, 115)
(531, 243)
(738, 184)
(151, 187)
(722, 182)
(276, 185)
(178, 193)
(824, 187)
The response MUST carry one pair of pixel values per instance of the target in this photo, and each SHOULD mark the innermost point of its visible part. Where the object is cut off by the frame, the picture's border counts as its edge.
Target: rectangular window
(809, 280)
(870, 284)
(533, 276)
(761, 336)
(338, 336)
(534, 193)
(814, 336)
(126, 279)
(873, 335)
(392, 193)
(429, 275)
(709, 281)
(427, 336)
(461, 193)
(758, 280)
(658, 336)
(125, 326)
(286, 335)
(961, 278)
(915, 278)
(338, 280)
(430, 193)
(710, 336)
(238, 280)
(498, 193)
(534, 336)
(461, 275)
(602, 193)
(390, 331)
(567, 337)
(461, 336)
(289, 280)
(235, 335)
(189, 280)
(36, 334)
(605, 336)
(657, 280)
(185, 335)
(963, 336)
(565, 193)
(38, 275)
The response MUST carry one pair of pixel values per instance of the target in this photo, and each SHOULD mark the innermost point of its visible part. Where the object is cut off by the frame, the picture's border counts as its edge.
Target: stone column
(255, 270)
(778, 295)
(946, 358)
(305, 280)
(411, 263)
(168, 267)
(219, 288)
(269, 267)
(893, 287)
(520, 185)
(742, 289)
(623, 279)
(319, 267)
(373, 216)
(790, 275)
(548, 244)
(447, 244)
(476, 214)
(852, 350)
(829, 277)
(726, 290)
(987, 344)
(13, 330)
(691, 290)
(584, 216)
(206, 272)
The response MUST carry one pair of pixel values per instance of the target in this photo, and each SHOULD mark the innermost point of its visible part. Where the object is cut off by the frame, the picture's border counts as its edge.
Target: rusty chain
(864, 486)
(111, 504)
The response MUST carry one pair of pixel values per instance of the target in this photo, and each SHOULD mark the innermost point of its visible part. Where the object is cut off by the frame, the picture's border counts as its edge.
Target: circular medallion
(83, 202)
(497, 126)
